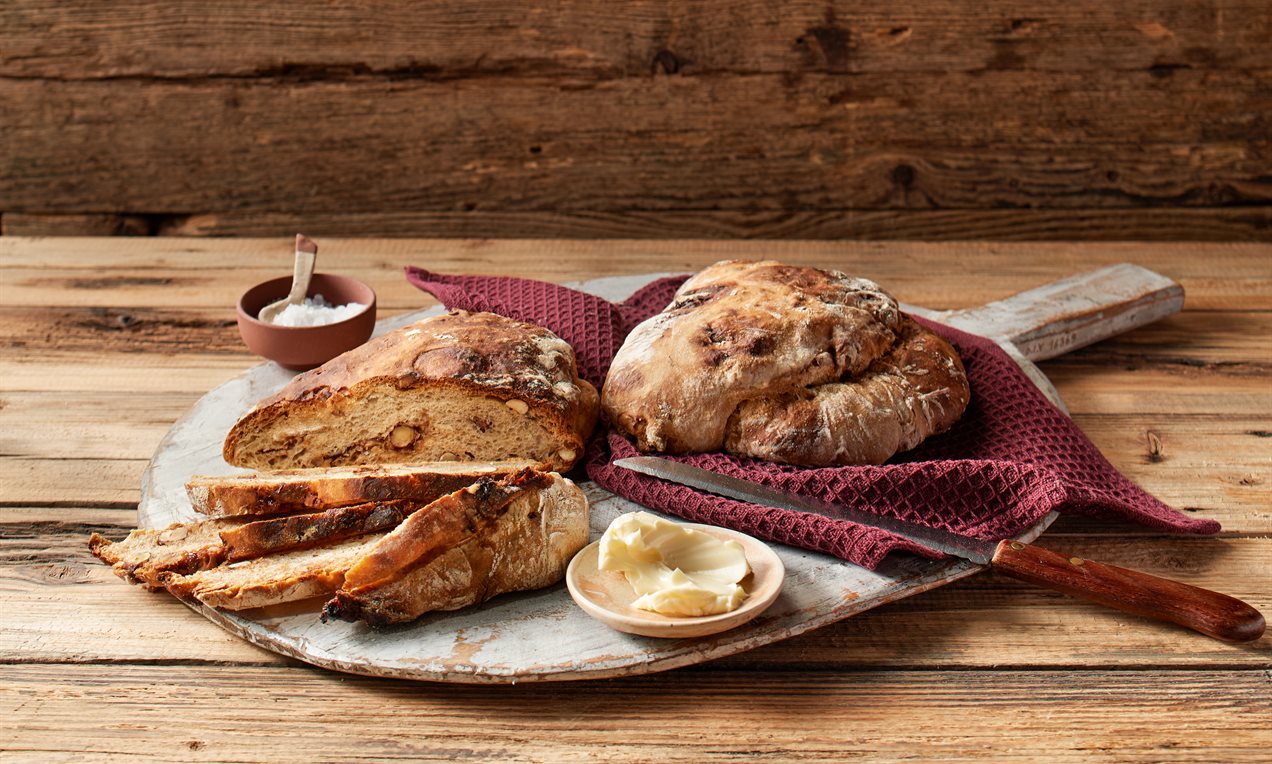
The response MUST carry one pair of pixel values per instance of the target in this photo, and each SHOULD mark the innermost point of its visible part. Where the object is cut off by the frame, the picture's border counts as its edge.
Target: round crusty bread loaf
(789, 364)
(457, 387)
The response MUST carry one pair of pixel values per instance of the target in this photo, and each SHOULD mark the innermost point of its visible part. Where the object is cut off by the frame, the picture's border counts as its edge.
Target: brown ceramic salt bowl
(304, 347)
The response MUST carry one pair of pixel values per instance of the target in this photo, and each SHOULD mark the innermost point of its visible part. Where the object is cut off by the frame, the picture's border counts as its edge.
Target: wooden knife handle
(1211, 613)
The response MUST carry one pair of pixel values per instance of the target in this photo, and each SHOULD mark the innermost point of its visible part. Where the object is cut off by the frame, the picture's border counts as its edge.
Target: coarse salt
(316, 311)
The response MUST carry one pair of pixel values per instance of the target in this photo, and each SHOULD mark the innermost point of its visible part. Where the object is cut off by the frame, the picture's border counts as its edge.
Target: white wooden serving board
(543, 635)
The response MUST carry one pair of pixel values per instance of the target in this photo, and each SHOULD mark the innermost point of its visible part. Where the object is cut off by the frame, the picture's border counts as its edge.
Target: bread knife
(1211, 613)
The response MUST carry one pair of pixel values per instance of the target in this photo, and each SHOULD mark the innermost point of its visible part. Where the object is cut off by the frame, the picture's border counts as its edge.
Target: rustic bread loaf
(789, 364)
(457, 387)
(515, 534)
(324, 487)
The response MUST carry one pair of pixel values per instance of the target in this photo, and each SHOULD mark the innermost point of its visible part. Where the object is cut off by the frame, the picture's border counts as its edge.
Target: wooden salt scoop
(306, 257)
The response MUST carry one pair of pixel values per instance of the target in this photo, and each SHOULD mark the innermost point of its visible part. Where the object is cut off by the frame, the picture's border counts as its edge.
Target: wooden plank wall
(914, 119)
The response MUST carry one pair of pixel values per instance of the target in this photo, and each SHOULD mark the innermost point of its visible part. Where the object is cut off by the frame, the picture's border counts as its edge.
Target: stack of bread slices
(415, 473)
(393, 542)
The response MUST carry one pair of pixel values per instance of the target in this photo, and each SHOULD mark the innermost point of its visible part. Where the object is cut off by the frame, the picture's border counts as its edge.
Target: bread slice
(515, 534)
(272, 580)
(148, 552)
(326, 487)
(457, 387)
(280, 534)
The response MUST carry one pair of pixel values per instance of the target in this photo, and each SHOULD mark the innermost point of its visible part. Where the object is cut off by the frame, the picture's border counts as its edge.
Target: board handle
(1211, 613)
(1071, 313)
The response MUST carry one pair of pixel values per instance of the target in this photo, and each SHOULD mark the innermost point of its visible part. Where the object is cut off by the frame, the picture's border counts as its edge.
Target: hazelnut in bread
(514, 534)
(789, 364)
(457, 387)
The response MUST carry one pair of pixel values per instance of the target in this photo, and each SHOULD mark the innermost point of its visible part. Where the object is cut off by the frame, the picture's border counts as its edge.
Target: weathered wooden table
(107, 341)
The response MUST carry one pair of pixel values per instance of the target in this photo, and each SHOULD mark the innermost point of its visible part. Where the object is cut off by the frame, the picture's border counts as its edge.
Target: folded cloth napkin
(1011, 459)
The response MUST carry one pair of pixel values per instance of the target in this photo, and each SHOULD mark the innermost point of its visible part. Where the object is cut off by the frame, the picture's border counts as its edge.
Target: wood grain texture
(692, 142)
(75, 224)
(826, 120)
(63, 482)
(1108, 715)
(299, 41)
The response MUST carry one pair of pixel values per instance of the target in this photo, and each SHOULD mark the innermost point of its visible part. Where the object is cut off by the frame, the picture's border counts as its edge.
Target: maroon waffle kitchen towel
(1010, 460)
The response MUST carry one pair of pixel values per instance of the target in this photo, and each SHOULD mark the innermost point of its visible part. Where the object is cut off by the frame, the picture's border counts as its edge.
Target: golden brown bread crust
(916, 390)
(468, 356)
(325, 487)
(442, 525)
(512, 535)
(757, 358)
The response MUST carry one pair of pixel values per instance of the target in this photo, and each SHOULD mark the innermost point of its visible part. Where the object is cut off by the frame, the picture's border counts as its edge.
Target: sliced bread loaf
(282, 534)
(456, 387)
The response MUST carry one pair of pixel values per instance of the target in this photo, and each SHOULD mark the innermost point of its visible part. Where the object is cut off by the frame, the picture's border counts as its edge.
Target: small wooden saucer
(606, 596)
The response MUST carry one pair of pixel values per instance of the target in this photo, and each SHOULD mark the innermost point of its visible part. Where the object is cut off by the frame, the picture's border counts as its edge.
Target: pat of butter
(674, 570)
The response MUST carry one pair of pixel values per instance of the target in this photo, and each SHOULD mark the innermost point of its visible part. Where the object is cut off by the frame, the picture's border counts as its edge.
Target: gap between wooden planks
(1163, 224)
